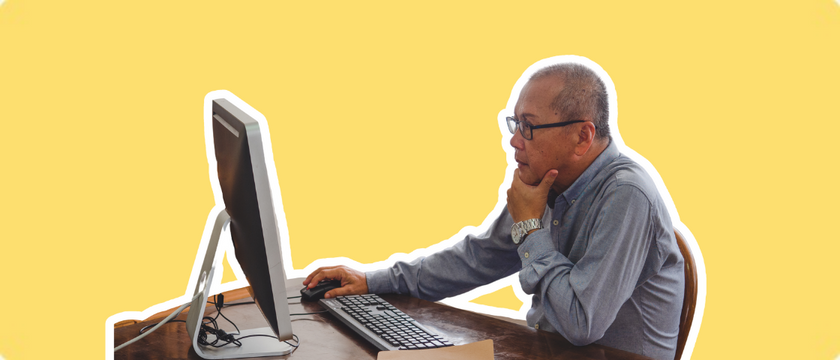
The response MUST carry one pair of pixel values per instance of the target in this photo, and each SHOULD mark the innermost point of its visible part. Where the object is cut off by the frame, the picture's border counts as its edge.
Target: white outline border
(461, 301)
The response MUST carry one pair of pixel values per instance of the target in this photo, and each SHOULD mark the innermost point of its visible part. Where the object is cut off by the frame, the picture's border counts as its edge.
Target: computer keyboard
(381, 323)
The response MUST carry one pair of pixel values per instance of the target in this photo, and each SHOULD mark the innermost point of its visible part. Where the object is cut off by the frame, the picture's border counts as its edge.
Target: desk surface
(324, 337)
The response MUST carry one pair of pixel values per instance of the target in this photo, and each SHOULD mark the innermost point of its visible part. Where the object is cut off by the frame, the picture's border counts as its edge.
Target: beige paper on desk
(481, 350)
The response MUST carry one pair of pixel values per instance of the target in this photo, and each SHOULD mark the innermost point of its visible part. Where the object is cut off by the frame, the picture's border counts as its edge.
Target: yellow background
(379, 107)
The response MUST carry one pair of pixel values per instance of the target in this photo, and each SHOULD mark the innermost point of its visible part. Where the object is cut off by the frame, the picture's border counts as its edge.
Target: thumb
(547, 180)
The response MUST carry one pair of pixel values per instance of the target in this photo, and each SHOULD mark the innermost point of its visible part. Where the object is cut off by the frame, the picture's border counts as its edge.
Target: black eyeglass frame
(513, 124)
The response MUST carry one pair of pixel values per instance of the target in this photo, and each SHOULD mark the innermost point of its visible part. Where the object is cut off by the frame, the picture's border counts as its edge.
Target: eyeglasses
(527, 130)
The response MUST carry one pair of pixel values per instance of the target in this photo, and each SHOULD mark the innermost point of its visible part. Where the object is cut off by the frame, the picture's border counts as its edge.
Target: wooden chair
(690, 299)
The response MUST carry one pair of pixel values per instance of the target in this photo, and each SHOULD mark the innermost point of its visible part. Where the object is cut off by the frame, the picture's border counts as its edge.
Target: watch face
(516, 233)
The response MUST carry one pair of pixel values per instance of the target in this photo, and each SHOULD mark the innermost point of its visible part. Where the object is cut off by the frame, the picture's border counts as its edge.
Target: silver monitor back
(244, 182)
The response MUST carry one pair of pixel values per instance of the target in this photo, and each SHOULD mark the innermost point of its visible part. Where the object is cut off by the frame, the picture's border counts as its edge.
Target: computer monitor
(249, 211)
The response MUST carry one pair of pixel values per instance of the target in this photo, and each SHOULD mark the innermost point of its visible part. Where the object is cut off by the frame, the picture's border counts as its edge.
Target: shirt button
(556, 223)
(526, 255)
(537, 326)
(573, 202)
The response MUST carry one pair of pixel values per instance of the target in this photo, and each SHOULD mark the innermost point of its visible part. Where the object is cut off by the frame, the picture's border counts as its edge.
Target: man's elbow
(582, 340)
(582, 336)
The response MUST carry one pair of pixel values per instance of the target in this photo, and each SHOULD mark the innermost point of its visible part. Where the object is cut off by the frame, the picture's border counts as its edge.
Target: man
(600, 259)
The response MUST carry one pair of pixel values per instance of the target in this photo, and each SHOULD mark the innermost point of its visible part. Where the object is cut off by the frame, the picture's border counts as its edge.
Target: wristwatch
(519, 230)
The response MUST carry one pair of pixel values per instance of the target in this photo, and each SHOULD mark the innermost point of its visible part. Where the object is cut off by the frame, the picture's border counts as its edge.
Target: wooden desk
(324, 337)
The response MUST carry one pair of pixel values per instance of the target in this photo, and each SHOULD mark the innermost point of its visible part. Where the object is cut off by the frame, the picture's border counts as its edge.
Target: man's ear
(585, 138)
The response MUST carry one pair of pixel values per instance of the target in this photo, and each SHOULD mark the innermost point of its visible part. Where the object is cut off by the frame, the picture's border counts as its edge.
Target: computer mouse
(317, 292)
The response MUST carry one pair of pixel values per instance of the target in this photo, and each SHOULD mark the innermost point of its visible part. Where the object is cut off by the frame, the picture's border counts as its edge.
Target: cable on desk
(165, 320)
(221, 335)
(170, 321)
(295, 345)
(234, 304)
(210, 325)
(309, 313)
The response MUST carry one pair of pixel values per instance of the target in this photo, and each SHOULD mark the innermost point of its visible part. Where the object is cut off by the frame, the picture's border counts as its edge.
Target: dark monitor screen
(247, 199)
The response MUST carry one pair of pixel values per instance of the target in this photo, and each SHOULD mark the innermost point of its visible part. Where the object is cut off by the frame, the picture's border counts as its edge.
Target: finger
(321, 275)
(344, 290)
(309, 278)
(311, 275)
(316, 278)
(548, 180)
(332, 273)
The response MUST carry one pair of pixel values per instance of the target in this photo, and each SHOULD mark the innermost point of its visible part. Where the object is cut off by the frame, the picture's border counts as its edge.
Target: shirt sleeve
(581, 300)
(474, 261)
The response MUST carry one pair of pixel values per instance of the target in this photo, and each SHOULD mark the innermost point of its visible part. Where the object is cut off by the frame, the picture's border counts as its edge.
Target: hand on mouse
(353, 282)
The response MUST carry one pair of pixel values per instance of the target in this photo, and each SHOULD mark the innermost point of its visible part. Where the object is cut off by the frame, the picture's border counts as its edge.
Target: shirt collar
(573, 192)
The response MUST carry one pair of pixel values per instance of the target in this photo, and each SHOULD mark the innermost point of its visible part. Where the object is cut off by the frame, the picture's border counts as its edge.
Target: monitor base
(256, 346)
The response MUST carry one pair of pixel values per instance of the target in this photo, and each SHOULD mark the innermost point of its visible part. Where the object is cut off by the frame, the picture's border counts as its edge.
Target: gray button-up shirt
(605, 268)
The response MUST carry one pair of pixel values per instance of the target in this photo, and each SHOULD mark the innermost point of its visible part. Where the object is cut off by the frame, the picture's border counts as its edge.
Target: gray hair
(584, 94)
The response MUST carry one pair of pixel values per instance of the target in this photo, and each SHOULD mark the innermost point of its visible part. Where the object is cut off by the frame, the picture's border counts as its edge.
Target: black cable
(255, 335)
(310, 313)
(221, 303)
(250, 302)
(294, 337)
(297, 343)
(234, 304)
(218, 309)
(211, 326)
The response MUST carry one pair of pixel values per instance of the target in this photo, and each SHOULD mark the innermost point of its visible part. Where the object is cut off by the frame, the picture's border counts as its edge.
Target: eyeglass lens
(524, 128)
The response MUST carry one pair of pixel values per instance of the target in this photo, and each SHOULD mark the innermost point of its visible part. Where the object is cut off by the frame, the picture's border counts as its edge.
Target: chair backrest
(690, 299)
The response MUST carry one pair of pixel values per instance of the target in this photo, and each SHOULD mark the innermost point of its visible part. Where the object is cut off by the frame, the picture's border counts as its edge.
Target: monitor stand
(252, 347)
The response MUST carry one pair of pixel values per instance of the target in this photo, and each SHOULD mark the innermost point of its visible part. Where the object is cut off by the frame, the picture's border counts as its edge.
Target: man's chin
(528, 179)
(525, 174)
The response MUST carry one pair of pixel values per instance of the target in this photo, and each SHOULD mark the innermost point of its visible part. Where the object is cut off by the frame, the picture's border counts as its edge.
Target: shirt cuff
(378, 281)
(536, 245)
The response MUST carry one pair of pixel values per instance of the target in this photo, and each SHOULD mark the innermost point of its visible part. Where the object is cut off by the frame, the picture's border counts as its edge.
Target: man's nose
(517, 141)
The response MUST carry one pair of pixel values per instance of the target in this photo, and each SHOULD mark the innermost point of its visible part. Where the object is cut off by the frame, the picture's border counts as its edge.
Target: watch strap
(520, 230)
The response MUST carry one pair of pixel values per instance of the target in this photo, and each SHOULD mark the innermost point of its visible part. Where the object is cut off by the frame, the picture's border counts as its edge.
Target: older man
(601, 259)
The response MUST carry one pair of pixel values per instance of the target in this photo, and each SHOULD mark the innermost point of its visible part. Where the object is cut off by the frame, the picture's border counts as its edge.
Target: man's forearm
(472, 262)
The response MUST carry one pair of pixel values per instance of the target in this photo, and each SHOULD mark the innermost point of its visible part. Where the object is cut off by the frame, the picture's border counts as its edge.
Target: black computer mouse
(317, 292)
